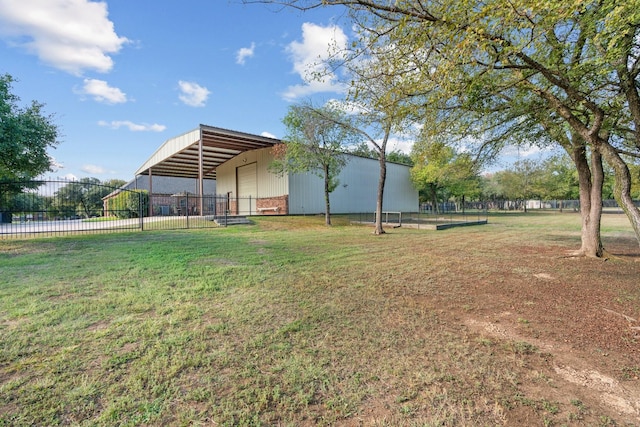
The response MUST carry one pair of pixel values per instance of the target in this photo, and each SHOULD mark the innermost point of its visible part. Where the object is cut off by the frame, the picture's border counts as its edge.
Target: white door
(247, 189)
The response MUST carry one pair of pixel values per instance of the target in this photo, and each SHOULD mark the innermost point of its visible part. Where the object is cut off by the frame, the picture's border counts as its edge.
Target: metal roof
(180, 156)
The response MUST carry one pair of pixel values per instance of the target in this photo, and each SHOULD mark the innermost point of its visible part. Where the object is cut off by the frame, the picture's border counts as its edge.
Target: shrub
(129, 204)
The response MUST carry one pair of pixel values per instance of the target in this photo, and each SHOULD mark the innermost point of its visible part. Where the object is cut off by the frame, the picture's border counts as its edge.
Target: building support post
(150, 197)
(200, 174)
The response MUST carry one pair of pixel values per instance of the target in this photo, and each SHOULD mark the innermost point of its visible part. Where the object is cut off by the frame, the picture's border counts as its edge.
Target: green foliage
(635, 180)
(497, 72)
(315, 142)
(114, 183)
(363, 150)
(25, 136)
(129, 204)
(26, 202)
(83, 197)
(558, 180)
(440, 173)
(400, 157)
(522, 181)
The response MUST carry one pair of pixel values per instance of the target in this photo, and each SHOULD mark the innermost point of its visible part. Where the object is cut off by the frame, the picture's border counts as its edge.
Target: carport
(198, 153)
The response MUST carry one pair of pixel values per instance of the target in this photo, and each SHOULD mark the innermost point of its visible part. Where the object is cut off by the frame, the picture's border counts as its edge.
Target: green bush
(129, 204)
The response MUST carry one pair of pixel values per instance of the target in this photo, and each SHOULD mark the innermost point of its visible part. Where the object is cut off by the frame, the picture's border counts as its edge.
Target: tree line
(49, 200)
(317, 140)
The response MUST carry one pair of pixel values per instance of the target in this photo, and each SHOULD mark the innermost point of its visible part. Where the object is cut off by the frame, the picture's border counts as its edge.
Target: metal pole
(141, 210)
(150, 193)
(201, 173)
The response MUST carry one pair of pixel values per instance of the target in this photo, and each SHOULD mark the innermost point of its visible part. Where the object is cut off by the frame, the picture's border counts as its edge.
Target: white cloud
(307, 89)
(400, 144)
(93, 169)
(244, 53)
(134, 127)
(525, 151)
(55, 164)
(394, 144)
(193, 94)
(71, 35)
(310, 57)
(102, 92)
(268, 135)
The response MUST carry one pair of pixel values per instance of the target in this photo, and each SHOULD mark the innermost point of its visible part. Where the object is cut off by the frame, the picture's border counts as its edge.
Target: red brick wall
(280, 202)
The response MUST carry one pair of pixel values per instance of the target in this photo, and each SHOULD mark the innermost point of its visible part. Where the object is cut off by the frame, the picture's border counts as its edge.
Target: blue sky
(123, 76)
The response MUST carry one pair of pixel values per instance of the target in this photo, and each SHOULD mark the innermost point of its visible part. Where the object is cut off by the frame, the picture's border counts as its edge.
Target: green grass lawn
(284, 322)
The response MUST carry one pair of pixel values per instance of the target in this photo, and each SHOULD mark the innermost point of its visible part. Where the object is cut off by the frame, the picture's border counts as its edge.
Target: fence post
(141, 210)
(226, 211)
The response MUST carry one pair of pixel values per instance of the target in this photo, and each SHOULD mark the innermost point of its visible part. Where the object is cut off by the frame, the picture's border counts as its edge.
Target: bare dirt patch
(581, 314)
(575, 375)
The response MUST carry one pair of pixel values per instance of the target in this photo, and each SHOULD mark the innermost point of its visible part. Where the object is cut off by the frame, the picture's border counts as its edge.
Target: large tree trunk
(602, 149)
(327, 203)
(433, 193)
(590, 185)
(383, 176)
(622, 186)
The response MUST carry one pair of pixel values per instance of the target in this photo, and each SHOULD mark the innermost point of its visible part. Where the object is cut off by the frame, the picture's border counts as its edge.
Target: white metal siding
(306, 194)
(247, 189)
(399, 192)
(357, 190)
(268, 184)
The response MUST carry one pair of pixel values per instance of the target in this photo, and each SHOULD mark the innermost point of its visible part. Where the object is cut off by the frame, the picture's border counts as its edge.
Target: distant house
(238, 162)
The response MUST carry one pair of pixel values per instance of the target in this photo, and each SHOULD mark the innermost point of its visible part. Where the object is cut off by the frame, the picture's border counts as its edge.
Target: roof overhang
(181, 156)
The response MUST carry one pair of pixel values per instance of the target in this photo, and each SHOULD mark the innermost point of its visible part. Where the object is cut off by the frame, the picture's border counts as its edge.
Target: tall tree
(315, 142)
(521, 182)
(371, 123)
(439, 171)
(558, 179)
(378, 114)
(84, 197)
(397, 156)
(488, 65)
(25, 136)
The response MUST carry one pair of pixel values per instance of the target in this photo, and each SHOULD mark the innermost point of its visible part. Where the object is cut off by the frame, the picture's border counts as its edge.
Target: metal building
(239, 163)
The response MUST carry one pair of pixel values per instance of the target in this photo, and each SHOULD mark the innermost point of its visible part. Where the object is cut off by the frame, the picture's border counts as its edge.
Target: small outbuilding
(239, 162)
